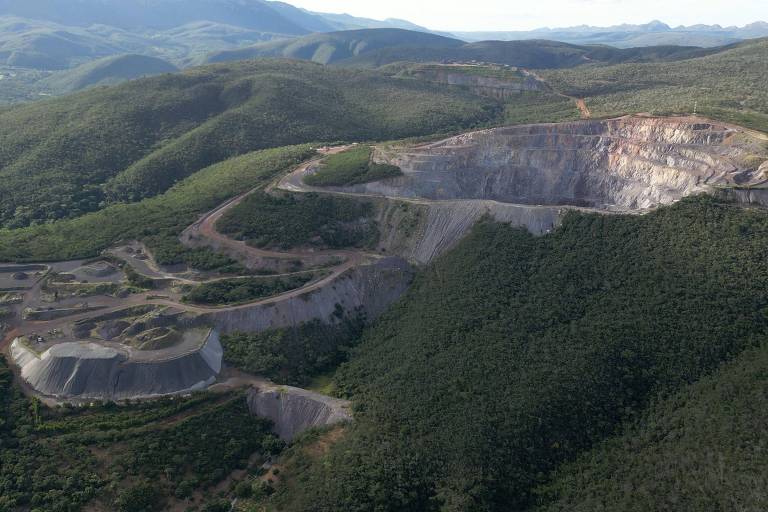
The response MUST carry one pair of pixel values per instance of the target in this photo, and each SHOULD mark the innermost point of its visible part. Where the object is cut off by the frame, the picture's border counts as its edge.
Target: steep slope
(107, 71)
(699, 450)
(620, 164)
(513, 354)
(143, 136)
(335, 47)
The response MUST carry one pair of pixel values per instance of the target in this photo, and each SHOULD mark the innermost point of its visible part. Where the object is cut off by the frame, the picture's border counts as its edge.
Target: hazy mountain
(41, 45)
(626, 35)
(378, 47)
(349, 22)
(47, 45)
(159, 14)
(335, 47)
(107, 71)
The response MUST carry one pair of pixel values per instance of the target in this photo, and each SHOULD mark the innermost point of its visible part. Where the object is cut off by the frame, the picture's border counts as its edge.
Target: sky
(485, 15)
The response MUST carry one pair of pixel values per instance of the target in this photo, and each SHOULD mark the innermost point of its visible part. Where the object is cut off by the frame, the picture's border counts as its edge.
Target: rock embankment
(81, 370)
(294, 410)
(498, 87)
(368, 288)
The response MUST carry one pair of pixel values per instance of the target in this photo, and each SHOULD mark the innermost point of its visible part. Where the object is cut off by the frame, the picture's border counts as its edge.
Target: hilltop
(107, 71)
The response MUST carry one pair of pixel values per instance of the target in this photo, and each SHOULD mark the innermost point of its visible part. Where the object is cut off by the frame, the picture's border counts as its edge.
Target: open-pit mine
(79, 331)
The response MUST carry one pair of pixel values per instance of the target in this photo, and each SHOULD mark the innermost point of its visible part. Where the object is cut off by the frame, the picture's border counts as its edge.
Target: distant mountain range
(261, 15)
(625, 36)
(39, 38)
(379, 47)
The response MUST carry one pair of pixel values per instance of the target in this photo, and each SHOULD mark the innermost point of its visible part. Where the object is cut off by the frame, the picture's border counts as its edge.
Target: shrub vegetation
(147, 454)
(286, 221)
(241, 290)
(513, 354)
(351, 167)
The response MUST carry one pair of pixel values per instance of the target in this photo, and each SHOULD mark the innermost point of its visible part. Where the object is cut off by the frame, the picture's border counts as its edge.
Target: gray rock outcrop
(294, 410)
(367, 288)
(110, 372)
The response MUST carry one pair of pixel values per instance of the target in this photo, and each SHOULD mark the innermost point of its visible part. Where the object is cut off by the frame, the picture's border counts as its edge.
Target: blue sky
(529, 14)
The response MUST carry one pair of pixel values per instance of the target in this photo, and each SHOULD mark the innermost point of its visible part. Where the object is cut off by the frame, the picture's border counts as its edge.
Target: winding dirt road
(205, 228)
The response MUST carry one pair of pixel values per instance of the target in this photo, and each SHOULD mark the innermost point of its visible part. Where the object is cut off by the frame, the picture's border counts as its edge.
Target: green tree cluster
(513, 354)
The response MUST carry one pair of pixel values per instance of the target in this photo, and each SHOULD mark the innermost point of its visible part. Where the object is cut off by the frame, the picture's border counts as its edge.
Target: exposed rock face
(422, 232)
(293, 410)
(109, 372)
(620, 164)
(491, 86)
(368, 288)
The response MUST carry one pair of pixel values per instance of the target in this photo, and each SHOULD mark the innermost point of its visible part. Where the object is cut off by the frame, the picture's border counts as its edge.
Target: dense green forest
(699, 450)
(133, 458)
(513, 354)
(728, 85)
(241, 290)
(64, 157)
(351, 167)
(159, 220)
(294, 355)
(285, 221)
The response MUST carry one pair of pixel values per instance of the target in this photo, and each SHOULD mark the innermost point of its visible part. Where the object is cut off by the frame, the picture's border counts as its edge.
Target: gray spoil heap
(369, 289)
(294, 410)
(77, 370)
(624, 164)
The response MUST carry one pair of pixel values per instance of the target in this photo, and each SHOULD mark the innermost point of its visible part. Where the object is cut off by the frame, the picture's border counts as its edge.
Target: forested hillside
(158, 221)
(106, 71)
(336, 47)
(134, 458)
(699, 450)
(379, 47)
(65, 157)
(514, 354)
(728, 85)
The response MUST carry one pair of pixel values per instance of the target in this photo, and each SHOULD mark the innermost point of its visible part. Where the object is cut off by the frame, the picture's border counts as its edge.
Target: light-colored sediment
(294, 410)
(87, 370)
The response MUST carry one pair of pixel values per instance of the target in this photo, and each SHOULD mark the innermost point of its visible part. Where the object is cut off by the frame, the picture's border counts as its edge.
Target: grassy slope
(701, 449)
(513, 354)
(729, 85)
(141, 137)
